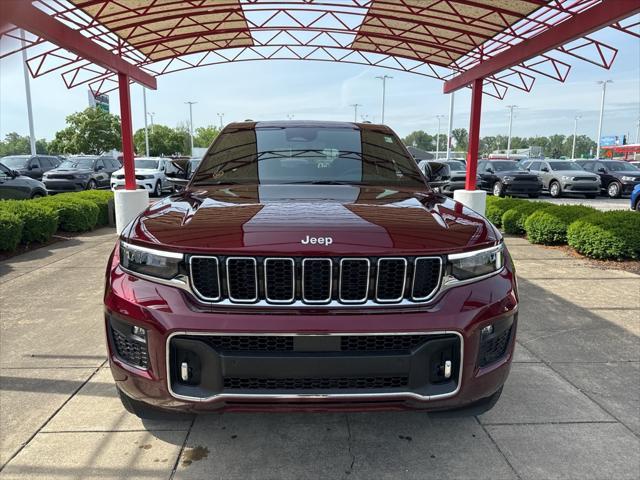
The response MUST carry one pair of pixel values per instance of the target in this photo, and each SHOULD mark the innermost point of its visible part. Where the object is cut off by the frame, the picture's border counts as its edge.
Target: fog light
(447, 369)
(184, 371)
(488, 330)
(139, 332)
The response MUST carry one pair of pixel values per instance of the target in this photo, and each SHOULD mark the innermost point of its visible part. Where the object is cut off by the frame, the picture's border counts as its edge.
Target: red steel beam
(24, 15)
(474, 135)
(595, 18)
(126, 132)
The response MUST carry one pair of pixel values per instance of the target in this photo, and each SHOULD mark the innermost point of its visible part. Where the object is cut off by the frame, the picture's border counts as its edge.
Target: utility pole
(510, 107)
(151, 115)
(449, 139)
(355, 111)
(575, 132)
(220, 115)
(384, 91)
(146, 131)
(191, 122)
(604, 91)
(27, 90)
(438, 137)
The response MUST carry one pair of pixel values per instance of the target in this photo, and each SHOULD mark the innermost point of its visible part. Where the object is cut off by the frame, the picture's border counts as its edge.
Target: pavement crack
(495, 444)
(349, 470)
(182, 447)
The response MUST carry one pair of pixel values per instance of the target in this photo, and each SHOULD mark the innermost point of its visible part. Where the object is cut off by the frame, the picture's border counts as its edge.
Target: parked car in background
(507, 177)
(635, 164)
(456, 174)
(564, 176)
(14, 186)
(33, 166)
(193, 165)
(81, 173)
(151, 174)
(635, 198)
(616, 177)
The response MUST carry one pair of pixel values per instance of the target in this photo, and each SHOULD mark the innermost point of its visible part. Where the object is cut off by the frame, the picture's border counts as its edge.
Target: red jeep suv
(309, 266)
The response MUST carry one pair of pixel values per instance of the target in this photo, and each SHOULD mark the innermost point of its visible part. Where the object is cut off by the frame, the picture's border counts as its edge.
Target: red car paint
(270, 220)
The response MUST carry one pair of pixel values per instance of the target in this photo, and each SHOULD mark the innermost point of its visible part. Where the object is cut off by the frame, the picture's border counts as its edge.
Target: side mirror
(602, 170)
(544, 169)
(490, 170)
(33, 167)
(14, 173)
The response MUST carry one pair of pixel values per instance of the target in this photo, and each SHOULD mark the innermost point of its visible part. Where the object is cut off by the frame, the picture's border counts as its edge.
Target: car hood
(276, 219)
(516, 173)
(458, 172)
(143, 171)
(575, 173)
(68, 171)
(626, 174)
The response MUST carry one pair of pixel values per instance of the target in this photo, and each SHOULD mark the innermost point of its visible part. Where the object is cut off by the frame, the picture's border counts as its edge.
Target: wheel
(534, 195)
(590, 195)
(614, 189)
(92, 185)
(555, 190)
(498, 190)
(157, 190)
(637, 207)
(37, 195)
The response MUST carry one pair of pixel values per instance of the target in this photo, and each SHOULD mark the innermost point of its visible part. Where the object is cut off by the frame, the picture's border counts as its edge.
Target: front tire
(614, 189)
(92, 185)
(555, 190)
(37, 195)
(498, 190)
(637, 207)
(157, 190)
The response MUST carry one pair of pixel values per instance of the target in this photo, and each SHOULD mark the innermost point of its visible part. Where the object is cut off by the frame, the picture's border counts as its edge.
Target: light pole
(355, 110)
(637, 138)
(510, 107)
(604, 91)
(575, 132)
(27, 89)
(384, 91)
(191, 122)
(451, 97)
(146, 131)
(220, 115)
(151, 115)
(438, 137)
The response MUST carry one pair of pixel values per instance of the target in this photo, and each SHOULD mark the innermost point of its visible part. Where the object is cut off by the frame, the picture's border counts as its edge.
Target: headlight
(146, 261)
(507, 178)
(147, 177)
(566, 178)
(468, 265)
(82, 176)
(629, 179)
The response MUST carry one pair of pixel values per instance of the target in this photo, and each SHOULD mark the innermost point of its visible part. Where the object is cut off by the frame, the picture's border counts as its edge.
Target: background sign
(99, 101)
(611, 140)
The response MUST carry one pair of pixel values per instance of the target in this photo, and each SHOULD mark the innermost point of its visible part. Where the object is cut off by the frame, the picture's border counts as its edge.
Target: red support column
(127, 132)
(474, 134)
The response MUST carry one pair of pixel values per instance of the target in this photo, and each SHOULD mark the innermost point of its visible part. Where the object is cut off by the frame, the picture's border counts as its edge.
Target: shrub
(40, 221)
(100, 198)
(75, 214)
(497, 206)
(606, 235)
(549, 225)
(513, 219)
(10, 230)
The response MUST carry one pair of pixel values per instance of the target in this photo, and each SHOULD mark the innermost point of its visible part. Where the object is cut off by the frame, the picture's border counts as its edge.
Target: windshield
(308, 154)
(504, 166)
(565, 166)
(15, 162)
(77, 163)
(151, 164)
(453, 165)
(621, 167)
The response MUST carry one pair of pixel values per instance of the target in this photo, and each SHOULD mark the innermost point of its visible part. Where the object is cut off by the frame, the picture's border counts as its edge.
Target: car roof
(249, 125)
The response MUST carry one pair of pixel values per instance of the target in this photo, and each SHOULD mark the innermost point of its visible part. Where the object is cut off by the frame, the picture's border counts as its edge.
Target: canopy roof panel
(436, 38)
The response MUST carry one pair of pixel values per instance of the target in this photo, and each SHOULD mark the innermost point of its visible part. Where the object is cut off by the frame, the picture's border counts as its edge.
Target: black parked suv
(616, 177)
(507, 177)
(33, 166)
(81, 173)
(14, 186)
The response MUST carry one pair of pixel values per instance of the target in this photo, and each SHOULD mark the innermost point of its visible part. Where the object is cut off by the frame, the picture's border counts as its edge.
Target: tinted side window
(99, 163)
(534, 166)
(587, 166)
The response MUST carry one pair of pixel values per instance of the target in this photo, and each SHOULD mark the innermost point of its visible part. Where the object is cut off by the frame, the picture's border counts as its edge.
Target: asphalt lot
(570, 409)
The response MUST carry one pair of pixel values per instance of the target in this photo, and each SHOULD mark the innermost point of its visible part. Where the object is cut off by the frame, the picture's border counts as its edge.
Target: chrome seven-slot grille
(315, 281)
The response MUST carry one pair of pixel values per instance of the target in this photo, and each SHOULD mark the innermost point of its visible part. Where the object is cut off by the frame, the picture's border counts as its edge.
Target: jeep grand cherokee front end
(309, 266)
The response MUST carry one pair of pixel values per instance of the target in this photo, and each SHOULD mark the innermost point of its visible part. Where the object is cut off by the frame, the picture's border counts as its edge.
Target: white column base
(474, 199)
(128, 205)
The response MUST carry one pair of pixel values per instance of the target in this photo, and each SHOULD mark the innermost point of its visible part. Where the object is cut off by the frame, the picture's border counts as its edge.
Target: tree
(92, 131)
(461, 137)
(14, 144)
(421, 140)
(555, 147)
(163, 141)
(204, 136)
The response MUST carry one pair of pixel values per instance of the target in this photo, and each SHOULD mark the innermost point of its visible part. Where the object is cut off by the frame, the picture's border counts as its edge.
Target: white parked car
(151, 174)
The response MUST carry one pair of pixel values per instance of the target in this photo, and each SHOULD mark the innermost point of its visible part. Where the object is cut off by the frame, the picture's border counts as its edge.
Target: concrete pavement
(570, 409)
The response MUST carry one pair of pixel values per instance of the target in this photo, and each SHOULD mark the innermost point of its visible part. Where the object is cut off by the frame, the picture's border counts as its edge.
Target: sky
(270, 90)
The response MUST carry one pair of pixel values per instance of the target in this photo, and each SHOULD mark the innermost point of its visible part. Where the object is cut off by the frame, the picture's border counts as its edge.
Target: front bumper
(627, 187)
(65, 185)
(453, 186)
(301, 365)
(581, 187)
(522, 187)
(148, 185)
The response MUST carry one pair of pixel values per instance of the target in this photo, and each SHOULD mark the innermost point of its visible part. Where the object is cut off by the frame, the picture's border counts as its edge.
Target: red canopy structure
(486, 45)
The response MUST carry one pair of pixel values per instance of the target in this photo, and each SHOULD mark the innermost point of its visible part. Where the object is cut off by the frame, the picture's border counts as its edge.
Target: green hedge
(75, 214)
(40, 221)
(100, 197)
(514, 218)
(549, 225)
(496, 207)
(10, 230)
(607, 235)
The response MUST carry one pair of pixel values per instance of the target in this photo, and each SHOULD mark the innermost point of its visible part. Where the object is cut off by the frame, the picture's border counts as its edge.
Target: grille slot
(391, 279)
(279, 280)
(494, 348)
(354, 280)
(250, 343)
(339, 383)
(132, 352)
(205, 276)
(242, 279)
(426, 277)
(317, 280)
